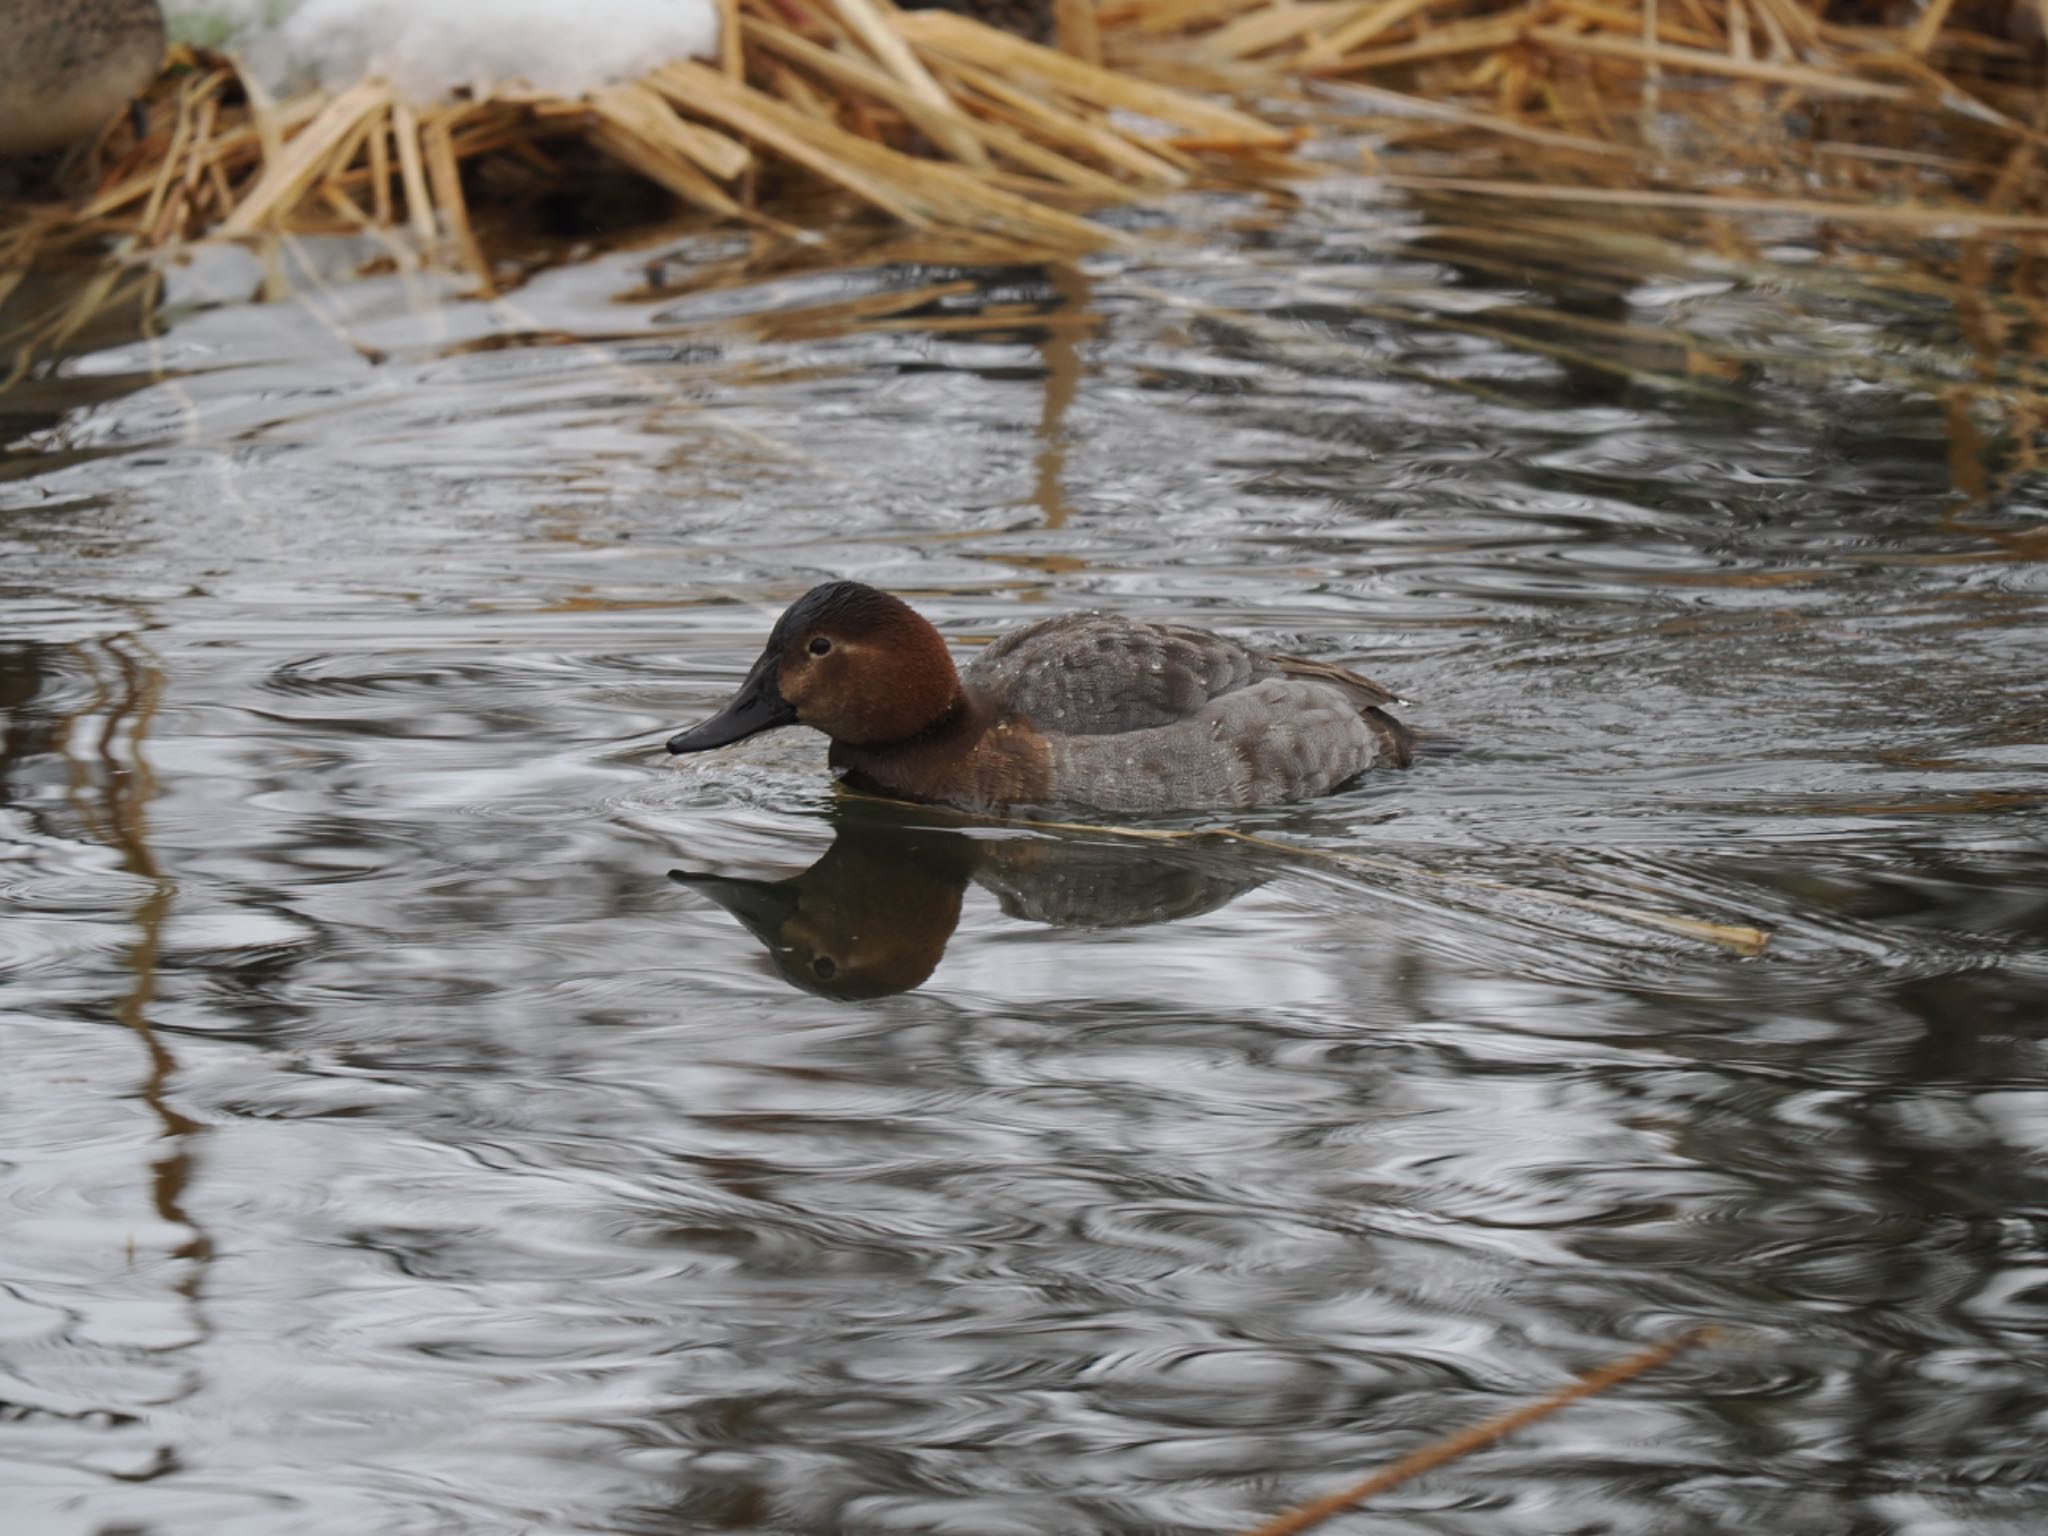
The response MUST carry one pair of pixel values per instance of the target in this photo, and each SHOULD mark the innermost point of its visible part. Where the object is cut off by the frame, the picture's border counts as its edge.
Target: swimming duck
(1084, 711)
(67, 66)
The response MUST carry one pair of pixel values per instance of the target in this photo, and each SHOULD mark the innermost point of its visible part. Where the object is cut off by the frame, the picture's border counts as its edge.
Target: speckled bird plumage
(1144, 717)
(1089, 711)
(67, 66)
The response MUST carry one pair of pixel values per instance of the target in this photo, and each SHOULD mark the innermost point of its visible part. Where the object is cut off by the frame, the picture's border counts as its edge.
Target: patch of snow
(429, 49)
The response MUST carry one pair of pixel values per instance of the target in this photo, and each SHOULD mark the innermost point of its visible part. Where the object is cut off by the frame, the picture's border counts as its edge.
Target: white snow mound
(431, 48)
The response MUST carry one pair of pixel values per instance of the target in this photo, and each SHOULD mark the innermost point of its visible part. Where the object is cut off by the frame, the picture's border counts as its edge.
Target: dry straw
(933, 119)
(1935, 125)
(1822, 110)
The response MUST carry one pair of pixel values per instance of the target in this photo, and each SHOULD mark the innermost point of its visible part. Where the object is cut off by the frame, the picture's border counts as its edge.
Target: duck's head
(861, 666)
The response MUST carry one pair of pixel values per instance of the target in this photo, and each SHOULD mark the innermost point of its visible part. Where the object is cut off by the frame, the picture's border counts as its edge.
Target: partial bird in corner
(69, 66)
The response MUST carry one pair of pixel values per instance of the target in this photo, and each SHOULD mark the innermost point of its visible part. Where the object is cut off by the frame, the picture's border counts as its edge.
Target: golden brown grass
(930, 118)
(1932, 123)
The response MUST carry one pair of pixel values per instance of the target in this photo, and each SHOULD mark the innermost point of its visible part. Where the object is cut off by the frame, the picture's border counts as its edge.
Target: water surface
(391, 1143)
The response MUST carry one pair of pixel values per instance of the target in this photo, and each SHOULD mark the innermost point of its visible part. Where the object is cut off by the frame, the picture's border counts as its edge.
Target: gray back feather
(1099, 674)
(1278, 739)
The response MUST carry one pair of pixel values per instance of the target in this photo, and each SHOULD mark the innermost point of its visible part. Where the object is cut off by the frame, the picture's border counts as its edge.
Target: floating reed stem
(1739, 938)
(1479, 1436)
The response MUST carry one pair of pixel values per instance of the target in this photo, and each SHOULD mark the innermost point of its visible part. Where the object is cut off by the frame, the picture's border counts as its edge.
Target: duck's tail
(1368, 692)
(1399, 743)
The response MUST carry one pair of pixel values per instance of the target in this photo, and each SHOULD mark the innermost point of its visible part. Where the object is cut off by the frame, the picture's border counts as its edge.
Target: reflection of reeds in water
(111, 795)
(1767, 322)
(53, 316)
(1902, 145)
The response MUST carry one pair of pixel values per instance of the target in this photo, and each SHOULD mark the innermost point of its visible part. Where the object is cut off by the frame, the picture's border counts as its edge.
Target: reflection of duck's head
(873, 915)
(870, 918)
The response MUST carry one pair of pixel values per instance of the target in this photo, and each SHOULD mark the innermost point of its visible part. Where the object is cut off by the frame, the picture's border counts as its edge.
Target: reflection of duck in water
(1093, 710)
(873, 915)
(67, 66)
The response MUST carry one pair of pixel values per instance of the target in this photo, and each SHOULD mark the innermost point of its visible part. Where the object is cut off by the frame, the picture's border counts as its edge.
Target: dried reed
(1934, 126)
(1479, 1436)
(1940, 120)
(933, 119)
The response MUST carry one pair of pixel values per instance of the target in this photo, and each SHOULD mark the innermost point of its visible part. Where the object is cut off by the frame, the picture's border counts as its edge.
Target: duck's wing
(1369, 693)
(1397, 743)
(1100, 674)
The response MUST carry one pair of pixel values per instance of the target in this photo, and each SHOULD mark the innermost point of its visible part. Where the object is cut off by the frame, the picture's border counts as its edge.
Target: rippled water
(392, 1143)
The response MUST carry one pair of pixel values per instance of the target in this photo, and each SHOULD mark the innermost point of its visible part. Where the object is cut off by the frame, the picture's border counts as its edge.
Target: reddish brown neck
(977, 758)
(923, 766)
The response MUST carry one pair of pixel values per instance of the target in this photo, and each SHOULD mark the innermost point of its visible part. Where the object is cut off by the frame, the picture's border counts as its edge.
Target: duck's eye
(820, 645)
(824, 967)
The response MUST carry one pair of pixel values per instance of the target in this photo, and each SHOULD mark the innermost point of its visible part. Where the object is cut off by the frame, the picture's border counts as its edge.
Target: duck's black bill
(758, 706)
(762, 906)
